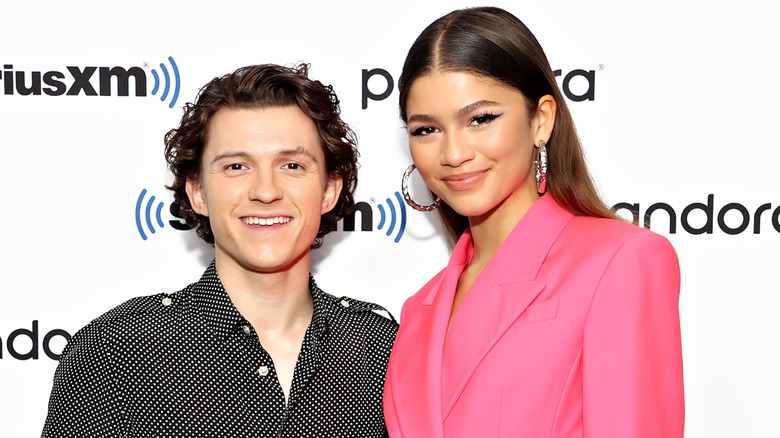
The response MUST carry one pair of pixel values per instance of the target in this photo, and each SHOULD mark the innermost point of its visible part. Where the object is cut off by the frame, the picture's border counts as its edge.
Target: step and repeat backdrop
(676, 104)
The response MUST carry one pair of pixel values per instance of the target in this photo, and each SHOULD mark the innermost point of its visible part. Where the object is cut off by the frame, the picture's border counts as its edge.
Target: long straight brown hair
(492, 42)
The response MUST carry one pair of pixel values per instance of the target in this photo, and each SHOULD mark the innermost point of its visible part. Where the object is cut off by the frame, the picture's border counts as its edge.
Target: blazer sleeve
(632, 355)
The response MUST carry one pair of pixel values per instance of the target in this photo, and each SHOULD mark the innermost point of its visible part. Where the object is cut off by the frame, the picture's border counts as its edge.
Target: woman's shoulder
(619, 250)
(612, 235)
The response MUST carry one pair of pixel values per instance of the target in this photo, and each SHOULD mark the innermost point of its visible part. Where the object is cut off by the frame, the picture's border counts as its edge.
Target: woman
(552, 318)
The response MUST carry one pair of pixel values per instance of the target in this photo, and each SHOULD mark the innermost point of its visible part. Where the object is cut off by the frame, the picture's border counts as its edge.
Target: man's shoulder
(147, 308)
(136, 318)
(350, 313)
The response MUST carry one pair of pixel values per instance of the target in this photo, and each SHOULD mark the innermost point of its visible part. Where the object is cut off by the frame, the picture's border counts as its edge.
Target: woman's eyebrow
(422, 118)
(428, 118)
(466, 110)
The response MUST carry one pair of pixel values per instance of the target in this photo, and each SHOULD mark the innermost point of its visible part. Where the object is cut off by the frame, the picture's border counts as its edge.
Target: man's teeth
(266, 221)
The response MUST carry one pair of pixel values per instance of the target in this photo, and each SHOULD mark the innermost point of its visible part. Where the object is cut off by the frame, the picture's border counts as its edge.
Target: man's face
(264, 186)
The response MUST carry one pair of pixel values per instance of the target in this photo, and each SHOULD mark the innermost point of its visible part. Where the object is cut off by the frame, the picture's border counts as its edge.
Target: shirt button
(166, 301)
(344, 303)
(246, 329)
(263, 371)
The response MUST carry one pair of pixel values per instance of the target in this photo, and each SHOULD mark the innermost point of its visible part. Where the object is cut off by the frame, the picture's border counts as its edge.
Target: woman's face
(472, 140)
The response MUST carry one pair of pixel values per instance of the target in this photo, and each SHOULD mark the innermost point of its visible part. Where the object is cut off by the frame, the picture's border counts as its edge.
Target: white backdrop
(684, 107)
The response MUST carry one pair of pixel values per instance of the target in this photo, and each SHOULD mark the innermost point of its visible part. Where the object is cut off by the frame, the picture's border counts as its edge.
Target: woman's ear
(544, 118)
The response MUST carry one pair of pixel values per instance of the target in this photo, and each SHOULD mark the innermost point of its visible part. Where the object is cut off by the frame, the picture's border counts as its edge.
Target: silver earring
(541, 168)
(408, 198)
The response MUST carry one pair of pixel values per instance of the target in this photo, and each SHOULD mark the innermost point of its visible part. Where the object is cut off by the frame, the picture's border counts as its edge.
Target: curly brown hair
(257, 87)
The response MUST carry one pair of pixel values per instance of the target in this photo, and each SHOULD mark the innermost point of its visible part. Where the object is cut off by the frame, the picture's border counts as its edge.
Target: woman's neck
(489, 230)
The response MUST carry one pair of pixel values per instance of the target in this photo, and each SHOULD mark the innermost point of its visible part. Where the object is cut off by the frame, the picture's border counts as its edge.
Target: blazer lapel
(416, 371)
(499, 296)
(479, 329)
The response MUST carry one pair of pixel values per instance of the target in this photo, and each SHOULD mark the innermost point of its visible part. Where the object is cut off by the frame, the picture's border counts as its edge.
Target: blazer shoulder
(614, 247)
(612, 234)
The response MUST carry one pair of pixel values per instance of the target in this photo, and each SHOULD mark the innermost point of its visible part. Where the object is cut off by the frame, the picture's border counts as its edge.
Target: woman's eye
(422, 131)
(483, 118)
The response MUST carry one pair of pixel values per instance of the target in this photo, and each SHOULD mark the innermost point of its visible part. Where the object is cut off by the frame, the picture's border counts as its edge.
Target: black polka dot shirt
(189, 365)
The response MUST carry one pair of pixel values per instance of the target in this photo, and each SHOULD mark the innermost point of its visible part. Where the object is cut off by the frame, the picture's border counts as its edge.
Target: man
(264, 167)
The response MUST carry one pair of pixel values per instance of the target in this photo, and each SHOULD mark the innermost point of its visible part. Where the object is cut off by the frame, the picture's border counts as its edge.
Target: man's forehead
(279, 130)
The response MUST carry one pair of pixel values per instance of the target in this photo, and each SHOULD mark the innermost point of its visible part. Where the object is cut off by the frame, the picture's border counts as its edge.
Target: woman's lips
(465, 180)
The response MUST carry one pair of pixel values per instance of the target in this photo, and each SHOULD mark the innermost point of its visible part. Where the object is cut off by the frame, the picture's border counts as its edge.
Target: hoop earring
(541, 168)
(408, 198)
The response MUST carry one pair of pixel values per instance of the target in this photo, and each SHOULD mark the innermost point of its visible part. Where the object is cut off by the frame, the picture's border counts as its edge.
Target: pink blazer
(571, 330)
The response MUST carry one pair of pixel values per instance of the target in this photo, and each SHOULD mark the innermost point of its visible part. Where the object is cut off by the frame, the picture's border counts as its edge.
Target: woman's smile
(463, 181)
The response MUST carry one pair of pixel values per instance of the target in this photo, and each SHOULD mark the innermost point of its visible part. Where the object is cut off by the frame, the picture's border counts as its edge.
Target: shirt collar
(323, 309)
(214, 304)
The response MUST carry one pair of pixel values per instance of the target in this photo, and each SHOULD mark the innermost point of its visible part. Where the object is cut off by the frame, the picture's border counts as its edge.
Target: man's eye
(292, 166)
(235, 166)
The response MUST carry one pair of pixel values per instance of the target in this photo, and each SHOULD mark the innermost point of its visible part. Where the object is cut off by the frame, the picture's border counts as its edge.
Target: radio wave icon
(147, 214)
(393, 217)
(167, 82)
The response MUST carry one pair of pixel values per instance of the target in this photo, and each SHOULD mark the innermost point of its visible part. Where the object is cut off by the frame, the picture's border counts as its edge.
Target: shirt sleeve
(632, 355)
(84, 401)
(391, 417)
(388, 401)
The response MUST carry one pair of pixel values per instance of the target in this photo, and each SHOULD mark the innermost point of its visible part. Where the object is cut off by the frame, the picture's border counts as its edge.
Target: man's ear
(544, 118)
(197, 198)
(330, 197)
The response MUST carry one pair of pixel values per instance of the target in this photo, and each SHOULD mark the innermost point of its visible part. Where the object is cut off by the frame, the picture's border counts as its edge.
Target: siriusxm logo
(392, 216)
(93, 81)
(389, 218)
(148, 214)
(167, 82)
(144, 215)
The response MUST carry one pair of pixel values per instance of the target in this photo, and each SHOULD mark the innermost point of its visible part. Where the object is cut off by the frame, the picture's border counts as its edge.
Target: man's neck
(277, 304)
(275, 301)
